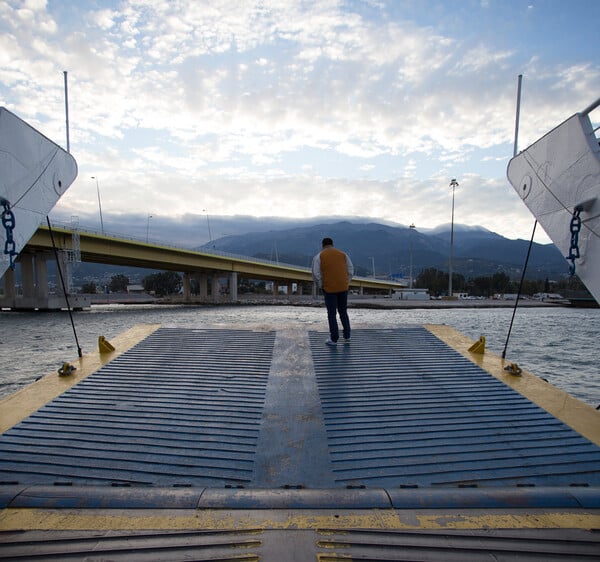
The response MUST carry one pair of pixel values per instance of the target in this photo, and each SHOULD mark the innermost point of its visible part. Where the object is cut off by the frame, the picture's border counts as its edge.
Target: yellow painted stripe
(26, 519)
(576, 414)
(28, 400)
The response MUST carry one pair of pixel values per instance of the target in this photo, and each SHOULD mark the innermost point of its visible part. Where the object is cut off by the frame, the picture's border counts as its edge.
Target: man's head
(327, 242)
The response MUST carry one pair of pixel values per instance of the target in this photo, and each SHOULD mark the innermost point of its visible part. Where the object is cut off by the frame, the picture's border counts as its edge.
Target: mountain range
(389, 250)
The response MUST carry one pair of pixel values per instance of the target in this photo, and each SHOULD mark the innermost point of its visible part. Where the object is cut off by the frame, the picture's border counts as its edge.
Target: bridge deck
(235, 419)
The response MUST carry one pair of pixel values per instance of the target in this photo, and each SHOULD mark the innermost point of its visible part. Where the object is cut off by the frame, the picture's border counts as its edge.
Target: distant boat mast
(67, 110)
(518, 114)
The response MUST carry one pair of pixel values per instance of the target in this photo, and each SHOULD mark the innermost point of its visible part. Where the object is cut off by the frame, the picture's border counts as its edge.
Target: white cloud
(278, 107)
(483, 59)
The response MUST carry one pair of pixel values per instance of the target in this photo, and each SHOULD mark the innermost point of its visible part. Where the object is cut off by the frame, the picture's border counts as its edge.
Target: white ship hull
(558, 178)
(34, 173)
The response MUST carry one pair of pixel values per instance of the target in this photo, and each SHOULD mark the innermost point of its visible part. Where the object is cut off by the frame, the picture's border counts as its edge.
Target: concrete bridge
(207, 268)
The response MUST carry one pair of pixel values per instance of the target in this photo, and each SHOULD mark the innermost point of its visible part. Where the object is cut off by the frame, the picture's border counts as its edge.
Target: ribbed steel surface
(395, 409)
(136, 546)
(459, 546)
(187, 417)
(183, 407)
(402, 408)
(303, 545)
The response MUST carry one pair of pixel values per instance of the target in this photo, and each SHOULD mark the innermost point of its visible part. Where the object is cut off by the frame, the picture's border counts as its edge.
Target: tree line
(436, 281)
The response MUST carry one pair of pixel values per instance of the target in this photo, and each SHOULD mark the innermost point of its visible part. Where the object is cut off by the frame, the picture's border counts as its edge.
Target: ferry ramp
(265, 444)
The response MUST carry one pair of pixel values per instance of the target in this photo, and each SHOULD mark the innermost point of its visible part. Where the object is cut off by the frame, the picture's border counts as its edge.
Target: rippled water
(558, 344)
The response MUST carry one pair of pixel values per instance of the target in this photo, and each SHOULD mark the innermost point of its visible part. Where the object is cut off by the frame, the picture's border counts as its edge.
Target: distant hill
(477, 251)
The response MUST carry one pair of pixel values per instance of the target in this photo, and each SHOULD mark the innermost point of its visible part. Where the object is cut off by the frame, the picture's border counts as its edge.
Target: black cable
(519, 292)
(62, 280)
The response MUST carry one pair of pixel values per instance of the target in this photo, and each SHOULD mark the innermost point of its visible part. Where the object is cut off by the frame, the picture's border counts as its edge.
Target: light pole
(453, 185)
(208, 224)
(373, 263)
(412, 227)
(148, 227)
(99, 204)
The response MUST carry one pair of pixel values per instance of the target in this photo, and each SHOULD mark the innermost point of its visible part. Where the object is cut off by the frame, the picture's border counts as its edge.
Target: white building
(411, 295)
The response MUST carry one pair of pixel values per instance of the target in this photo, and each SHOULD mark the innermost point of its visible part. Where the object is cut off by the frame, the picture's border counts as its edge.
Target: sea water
(557, 343)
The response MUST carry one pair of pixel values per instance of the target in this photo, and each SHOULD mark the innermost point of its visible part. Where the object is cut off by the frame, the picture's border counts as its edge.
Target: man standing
(332, 271)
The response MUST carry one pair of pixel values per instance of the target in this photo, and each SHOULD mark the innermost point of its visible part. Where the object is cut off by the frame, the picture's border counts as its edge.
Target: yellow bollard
(478, 346)
(104, 346)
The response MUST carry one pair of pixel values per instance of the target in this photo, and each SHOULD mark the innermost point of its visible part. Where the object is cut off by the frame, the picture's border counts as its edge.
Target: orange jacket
(332, 270)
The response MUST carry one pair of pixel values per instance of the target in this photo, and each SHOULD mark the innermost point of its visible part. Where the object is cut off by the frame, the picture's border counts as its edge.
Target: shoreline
(354, 302)
(367, 302)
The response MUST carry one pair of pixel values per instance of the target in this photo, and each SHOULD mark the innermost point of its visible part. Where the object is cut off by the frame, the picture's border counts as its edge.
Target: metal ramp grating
(402, 408)
(397, 408)
(134, 546)
(183, 407)
(466, 546)
(324, 545)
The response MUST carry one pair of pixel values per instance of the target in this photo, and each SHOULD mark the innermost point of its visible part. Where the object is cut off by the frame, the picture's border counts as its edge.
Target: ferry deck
(250, 443)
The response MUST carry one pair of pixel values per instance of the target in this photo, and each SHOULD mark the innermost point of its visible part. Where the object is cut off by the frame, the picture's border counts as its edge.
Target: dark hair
(327, 242)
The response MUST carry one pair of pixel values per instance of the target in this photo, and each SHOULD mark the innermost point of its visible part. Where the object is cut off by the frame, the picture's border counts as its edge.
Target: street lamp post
(208, 224)
(148, 227)
(453, 185)
(99, 204)
(373, 263)
(412, 227)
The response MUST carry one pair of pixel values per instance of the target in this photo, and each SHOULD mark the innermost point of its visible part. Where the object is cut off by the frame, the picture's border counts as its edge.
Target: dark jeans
(337, 302)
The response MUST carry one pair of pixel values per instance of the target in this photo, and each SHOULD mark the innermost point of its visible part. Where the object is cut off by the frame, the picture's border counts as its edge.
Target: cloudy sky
(189, 109)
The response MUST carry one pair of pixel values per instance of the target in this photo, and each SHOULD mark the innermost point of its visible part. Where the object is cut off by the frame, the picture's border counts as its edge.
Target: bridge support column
(27, 280)
(66, 274)
(275, 288)
(203, 286)
(233, 286)
(187, 292)
(299, 288)
(314, 289)
(34, 279)
(10, 291)
(41, 278)
(215, 288)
